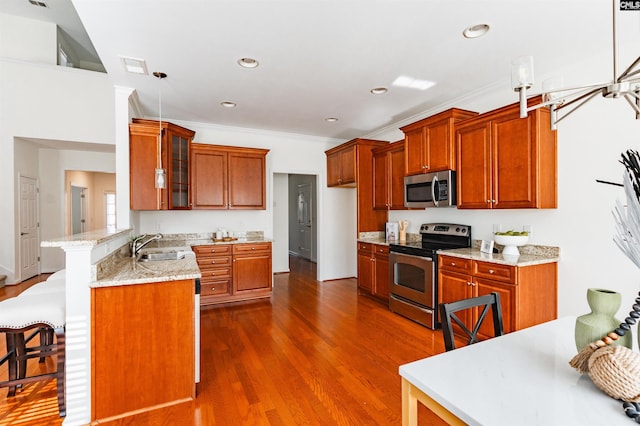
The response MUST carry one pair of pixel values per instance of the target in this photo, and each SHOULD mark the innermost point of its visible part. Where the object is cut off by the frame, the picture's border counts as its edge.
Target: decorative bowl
(511, 243)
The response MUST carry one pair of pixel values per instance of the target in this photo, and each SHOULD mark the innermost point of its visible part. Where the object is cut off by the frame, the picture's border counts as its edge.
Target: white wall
(28, 40)
(280, 246)
(43, 101)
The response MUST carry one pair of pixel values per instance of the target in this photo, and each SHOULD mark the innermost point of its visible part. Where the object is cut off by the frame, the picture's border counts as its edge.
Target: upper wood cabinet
(430, 143)
(507, 162)
(146, 153)
(356, 157)
(226, 177)
(341, 166)
(388, 177)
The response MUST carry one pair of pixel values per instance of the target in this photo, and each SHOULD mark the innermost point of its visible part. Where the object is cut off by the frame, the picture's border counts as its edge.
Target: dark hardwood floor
(313, 354)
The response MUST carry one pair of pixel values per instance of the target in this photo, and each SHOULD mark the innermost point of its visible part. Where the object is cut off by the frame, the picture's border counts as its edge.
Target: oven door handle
(395, 254)
(434, 185)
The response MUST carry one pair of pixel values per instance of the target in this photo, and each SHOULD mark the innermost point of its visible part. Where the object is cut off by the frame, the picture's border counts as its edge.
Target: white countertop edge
(146, 280)
(522, 260)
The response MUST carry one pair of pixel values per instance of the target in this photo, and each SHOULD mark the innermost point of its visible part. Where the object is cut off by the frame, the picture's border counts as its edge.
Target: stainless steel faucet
(137, 245)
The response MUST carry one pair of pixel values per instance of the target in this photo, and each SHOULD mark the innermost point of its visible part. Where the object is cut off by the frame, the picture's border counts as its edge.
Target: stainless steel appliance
(413, 271)
(437, 189)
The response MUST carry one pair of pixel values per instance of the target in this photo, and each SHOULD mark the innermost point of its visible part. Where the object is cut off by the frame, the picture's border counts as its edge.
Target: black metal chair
(448, 317)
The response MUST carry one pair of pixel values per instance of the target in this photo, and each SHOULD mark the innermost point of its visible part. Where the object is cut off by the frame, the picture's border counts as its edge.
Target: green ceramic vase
(600, 321)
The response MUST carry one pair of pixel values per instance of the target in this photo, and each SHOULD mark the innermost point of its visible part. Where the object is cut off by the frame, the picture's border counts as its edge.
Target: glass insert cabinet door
(179, 172)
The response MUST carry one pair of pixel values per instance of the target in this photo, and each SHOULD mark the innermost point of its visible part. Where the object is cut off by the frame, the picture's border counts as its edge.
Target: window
(110, 209)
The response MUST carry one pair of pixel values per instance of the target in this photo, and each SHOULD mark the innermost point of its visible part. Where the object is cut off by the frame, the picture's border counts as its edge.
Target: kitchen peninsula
(130, 328)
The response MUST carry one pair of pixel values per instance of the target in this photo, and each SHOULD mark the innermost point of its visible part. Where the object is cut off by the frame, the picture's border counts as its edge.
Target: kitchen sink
(167, 255)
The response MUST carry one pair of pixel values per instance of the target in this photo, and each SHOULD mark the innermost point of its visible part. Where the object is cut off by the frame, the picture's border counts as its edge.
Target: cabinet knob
(488, 201)
(468, 283)
(253, 248)
(213, 289)
(213, 261)
(493, 201)
(213, 274)
(491, 271)
(473, 284)
(453, 263)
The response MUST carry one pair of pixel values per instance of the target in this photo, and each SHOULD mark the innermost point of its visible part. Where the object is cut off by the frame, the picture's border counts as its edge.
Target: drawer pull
(491, 271)
(453, 263)
(253, 248)
(213, 289)
(213, 261)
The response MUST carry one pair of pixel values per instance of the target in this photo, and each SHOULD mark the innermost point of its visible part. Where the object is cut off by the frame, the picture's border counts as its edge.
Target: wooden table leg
(409, 405)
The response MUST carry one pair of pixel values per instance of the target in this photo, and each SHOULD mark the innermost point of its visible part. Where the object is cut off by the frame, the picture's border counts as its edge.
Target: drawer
(213, 249)
(455, 264)
(215, 287)
(495, 271)
(379, 248)
(364, 248)
(251, 247)
(206, 262)
(217, 273)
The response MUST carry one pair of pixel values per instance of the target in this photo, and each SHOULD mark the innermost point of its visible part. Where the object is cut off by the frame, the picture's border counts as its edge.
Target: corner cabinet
(147, 152)
(388, 177)
(528, 294)
(507, 162)
(430, 143)
(350, 165)
(232, 272)
(228, 178)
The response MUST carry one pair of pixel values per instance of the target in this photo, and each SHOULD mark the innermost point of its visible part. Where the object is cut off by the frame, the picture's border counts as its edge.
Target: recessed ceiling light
(331, 119)
(134, 65)
(412, 83)
(228, 104)
(379, 90)
(475, 31)
(248, 62)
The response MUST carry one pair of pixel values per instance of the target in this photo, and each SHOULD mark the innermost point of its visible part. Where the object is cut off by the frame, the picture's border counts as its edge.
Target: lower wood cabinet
(373, 269)
(232, 272)
(143, 345)
(528, 294)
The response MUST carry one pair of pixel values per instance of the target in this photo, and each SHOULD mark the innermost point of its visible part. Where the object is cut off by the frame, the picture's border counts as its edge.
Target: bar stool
(41, 310)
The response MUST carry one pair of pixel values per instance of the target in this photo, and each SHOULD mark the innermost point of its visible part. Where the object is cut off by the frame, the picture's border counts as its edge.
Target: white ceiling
(320, 58)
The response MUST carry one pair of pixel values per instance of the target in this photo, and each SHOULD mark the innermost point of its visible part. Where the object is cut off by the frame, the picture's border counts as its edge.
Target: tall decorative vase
(600, 321)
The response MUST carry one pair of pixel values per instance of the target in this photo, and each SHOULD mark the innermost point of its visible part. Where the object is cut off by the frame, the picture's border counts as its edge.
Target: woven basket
(616, 371)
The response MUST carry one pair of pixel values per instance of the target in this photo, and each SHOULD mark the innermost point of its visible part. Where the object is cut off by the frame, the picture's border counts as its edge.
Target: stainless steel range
(413, 271)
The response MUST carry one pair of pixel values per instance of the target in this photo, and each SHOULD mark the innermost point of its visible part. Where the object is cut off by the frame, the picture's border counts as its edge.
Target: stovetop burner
(435, 236)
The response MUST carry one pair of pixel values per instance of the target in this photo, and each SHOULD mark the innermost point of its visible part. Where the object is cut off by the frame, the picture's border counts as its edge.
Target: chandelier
(562, 102)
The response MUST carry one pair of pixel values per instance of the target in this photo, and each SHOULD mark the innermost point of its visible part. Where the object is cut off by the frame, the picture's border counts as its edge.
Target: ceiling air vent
(38, 3)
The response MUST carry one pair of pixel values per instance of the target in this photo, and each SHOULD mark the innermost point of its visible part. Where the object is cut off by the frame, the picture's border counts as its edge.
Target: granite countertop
(538, 255)
(126, 270)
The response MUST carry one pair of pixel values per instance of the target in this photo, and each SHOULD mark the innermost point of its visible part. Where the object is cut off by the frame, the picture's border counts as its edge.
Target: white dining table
(521, 378)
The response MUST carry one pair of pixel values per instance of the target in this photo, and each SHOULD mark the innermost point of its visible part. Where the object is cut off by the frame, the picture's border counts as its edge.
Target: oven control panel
(445, 229)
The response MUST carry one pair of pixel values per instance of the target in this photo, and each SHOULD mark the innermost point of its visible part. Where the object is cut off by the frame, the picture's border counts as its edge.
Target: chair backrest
(483, 303)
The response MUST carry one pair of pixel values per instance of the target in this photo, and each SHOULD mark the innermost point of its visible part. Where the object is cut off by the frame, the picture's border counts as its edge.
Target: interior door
(29, 236)
(78, 209)
(305, 237)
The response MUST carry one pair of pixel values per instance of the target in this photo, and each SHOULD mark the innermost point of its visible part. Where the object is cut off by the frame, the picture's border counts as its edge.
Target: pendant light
(161, 173)
(625, 85)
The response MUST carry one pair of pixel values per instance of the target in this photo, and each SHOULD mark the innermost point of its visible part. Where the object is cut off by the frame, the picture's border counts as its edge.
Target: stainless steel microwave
(436, 189)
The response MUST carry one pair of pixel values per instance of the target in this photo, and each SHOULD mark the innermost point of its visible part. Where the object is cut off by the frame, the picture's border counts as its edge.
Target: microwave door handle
(434, 185)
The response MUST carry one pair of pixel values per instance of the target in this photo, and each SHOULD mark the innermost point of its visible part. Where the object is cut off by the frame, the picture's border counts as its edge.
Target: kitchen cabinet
(143, 346)
(507, 162)
(373, 269)
(388, 177)
(215, 263)
(228, 178)
(528, 294)
(430, 143)
(341, 167)
(252, 275)
(357, 155)
(232, 272)
(147, 152)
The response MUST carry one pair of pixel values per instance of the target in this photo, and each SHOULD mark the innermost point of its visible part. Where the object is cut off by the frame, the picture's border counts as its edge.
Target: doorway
(29, 230)
(78, 209)
(295, 219)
